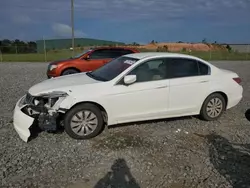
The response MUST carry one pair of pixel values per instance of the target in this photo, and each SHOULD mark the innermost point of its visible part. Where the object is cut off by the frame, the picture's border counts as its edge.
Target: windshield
(84, 52)
(112, 69)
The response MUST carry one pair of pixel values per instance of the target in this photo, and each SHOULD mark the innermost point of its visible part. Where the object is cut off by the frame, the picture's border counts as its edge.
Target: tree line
(17, 46)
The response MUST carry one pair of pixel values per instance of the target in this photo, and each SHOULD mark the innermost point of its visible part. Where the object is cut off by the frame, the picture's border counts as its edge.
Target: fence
(15, 54)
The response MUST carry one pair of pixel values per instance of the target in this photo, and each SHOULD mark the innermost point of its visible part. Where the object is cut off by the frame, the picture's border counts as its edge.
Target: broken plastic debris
(178, 130)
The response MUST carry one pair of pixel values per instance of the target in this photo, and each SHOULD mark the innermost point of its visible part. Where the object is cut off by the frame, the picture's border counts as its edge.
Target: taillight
(238, 80)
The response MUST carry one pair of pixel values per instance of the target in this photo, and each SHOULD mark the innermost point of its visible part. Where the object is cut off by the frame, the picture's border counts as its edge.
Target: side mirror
(87, 57)
(129, 79)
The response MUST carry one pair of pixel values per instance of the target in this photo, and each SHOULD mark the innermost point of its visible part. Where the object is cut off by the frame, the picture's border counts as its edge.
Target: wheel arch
(102, 109)
(67, 68)
(224, 95)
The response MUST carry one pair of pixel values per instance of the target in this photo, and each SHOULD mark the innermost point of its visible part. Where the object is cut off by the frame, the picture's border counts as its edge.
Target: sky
(128, 21)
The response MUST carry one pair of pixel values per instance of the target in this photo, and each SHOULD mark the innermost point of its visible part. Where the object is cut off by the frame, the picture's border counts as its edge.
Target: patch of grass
(220, 55)
(38, 57)
(64, 54)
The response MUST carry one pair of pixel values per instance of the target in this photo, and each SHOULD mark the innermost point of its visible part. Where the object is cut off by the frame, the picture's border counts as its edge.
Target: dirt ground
(172, 153)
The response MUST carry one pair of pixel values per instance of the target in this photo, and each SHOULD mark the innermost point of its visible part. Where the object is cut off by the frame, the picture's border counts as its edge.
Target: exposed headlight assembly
(45, 108)
(50, 99)
(54, 94)
(53, 97)
(52, 67)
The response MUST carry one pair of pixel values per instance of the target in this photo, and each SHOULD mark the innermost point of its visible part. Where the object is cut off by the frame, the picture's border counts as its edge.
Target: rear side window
(180, 67)
(125, 52)
(109, 53)
(204, 69)
(120, 52)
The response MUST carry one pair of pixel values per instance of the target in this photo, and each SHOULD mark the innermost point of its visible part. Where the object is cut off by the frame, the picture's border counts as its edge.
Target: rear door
(189, 85)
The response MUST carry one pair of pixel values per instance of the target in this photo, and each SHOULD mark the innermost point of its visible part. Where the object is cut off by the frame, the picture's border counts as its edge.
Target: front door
(99, 57)
(146, 99)
(96, 59)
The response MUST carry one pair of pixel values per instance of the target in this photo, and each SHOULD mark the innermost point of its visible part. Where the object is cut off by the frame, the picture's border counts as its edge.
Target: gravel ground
(152, 154)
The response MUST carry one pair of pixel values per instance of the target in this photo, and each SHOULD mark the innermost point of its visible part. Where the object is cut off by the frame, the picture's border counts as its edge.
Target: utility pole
(247, 51)
(1, 56)
(44, 48)
(72, 26)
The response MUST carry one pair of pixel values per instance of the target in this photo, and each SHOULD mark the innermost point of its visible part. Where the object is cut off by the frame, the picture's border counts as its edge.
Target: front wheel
(213, 107)
(69, 71)
(83, 121)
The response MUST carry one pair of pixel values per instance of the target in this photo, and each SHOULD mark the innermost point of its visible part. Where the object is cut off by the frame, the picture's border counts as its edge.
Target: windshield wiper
(95, 77)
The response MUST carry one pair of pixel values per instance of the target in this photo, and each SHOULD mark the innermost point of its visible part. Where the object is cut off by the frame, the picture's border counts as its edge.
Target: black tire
(88, 107)
(204, 114)
(247, 114)
(69, 71)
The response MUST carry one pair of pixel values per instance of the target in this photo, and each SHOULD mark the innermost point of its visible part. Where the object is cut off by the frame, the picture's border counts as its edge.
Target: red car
(89, 60)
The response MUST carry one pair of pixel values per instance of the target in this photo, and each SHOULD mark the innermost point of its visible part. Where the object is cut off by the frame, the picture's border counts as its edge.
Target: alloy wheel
(214, 107)
(84, 123)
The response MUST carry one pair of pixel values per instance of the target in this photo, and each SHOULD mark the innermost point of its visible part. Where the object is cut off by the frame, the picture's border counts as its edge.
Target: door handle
(159, 87)
(203, 81)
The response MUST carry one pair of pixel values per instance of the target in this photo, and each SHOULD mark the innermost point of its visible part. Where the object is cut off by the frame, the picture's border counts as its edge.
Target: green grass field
(37, 57)
(64, 54)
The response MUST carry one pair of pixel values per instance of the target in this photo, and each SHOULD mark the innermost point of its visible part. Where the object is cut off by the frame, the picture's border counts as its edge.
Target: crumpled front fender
(66, 103)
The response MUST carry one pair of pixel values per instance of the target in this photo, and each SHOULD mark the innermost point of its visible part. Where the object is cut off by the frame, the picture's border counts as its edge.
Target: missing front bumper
(27, 127)
(22, 122)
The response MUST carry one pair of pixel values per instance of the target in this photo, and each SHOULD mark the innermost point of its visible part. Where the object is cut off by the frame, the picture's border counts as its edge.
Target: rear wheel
(213, 107)
(84, 121)
(70, 71)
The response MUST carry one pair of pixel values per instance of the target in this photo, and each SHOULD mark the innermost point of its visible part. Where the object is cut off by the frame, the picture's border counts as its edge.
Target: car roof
(143, 55)
(113, 47)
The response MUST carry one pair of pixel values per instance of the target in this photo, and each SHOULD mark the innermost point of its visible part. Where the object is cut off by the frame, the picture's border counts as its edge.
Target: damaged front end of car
(41, 111)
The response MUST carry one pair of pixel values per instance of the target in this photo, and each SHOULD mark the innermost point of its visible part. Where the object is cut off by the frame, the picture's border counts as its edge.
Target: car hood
(61, 61)
(62, 83)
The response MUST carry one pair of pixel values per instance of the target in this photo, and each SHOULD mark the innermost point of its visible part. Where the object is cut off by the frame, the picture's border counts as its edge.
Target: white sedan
(134, 87)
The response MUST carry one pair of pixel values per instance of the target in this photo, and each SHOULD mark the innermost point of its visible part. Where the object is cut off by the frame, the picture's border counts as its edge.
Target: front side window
(114, 53)
(101, 54)
(151, 70)
(81, 54)
(112, 69)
